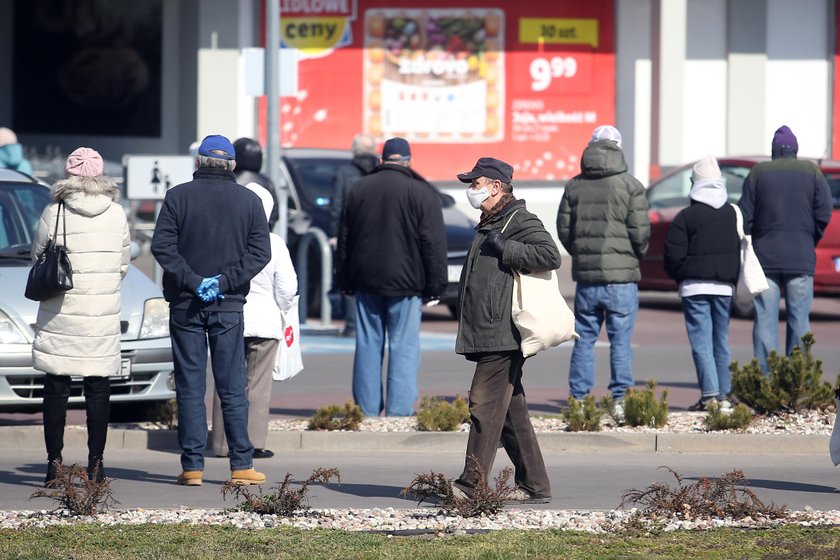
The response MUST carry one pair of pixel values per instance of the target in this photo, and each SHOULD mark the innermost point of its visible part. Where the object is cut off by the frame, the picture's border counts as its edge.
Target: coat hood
(602, 159)
(89, 196)
(709, 191)
(11, 156)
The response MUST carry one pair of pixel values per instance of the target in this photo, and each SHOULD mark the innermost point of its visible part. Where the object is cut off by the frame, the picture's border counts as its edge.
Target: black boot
(98, 407)
(56, 393)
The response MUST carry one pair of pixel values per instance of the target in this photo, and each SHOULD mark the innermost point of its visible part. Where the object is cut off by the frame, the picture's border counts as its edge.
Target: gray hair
(215, 163)
(363, 144)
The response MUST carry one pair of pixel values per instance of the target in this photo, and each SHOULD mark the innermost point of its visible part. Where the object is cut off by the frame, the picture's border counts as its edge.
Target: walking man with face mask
(509, 239)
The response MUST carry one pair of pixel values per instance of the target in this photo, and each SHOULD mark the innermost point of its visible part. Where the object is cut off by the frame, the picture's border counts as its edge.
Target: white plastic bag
(540, 312)
(751, 278)
(834, 442)
(289, 361)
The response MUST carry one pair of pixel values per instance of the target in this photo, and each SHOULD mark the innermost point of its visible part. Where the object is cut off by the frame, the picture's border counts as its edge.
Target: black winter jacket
(486, 288)
(392, 240)
(206, 227)
(702, 244)
(346, 177)
(787, 205)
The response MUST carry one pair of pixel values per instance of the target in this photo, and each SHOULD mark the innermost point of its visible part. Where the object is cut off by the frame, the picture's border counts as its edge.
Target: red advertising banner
(526, 82)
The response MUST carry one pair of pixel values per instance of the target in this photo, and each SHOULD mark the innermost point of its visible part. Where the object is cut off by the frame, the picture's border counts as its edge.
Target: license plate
(453, 272)
(125, 371)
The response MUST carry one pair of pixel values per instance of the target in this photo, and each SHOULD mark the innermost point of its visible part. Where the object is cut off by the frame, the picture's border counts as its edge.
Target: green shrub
(793, 384)
(333, 417)
(583, 416)
(438, 415)
(641, 408)
(739, 419)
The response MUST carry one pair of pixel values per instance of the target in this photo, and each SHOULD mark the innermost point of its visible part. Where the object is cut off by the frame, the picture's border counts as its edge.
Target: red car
(667, 196)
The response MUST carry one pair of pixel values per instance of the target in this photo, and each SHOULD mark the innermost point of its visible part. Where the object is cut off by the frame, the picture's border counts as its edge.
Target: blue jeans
(595, 303)
(191, 332)
(707, 325)
(799, 293)
(399, 319)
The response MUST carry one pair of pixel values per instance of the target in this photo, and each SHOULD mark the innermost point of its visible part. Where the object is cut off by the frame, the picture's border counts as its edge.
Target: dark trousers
(498, 412)
(97, 404)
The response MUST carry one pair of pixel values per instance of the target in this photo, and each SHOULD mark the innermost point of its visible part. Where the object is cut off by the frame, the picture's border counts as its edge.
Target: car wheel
(743, 310)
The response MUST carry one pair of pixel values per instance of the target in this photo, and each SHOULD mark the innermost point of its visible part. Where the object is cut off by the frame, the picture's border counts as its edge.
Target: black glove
(495, 243)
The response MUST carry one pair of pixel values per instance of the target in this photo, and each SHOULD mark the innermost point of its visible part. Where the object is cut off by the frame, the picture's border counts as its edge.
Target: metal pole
(272, 93)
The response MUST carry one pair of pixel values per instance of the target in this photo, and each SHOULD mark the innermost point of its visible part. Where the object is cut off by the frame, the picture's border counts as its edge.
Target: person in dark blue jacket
(702, 253)
(786, 204)
(211, 238)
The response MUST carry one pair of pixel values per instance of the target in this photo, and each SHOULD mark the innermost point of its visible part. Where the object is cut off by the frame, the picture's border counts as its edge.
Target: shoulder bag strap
(55, 228)
(63, 209)
(739, 221)
(507, 223)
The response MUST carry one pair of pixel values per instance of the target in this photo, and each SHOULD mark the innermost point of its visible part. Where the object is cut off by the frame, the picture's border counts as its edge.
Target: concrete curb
(31, 437)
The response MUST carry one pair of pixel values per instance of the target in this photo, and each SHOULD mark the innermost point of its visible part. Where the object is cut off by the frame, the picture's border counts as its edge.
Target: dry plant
(74, 491)
(722, 497)
(280, 500)
(437, 415)
(333, 417)
(485, 499)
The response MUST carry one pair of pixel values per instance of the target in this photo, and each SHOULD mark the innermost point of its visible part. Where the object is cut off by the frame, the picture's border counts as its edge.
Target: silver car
(147, 372)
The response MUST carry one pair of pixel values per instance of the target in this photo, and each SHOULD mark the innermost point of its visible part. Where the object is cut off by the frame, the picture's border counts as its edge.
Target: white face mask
(477, 196)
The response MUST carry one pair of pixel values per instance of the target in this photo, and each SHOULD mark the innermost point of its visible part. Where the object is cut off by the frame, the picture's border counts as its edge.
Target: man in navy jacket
(786, 204)
(211, 238)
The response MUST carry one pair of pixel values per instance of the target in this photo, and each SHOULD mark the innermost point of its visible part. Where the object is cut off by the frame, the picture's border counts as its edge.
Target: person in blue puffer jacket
(11, 152)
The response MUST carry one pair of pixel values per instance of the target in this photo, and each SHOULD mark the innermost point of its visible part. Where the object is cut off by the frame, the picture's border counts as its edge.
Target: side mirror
(135, 250)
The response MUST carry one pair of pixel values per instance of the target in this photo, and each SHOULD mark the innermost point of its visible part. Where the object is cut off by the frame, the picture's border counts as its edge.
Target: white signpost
(149, 177)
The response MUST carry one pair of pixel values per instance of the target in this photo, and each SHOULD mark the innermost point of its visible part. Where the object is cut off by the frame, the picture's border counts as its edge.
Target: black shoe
(96, 471)
(263, 453)
(701, 405)
(348, 333)
(52, 471)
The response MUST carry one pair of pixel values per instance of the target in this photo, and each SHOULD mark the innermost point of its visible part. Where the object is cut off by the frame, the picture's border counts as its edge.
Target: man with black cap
(786, 204)
(211, 238)
(508, 238)
(249, 160)
(392, 255)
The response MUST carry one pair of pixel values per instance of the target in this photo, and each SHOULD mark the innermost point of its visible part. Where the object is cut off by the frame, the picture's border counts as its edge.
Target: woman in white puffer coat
(272, 291)
(78, 332)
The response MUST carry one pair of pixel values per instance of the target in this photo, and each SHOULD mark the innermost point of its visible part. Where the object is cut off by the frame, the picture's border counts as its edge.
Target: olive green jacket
(603, 218)
(486, 288)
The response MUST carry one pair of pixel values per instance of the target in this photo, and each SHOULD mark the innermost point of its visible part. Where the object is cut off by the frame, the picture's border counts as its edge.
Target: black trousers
(97, 404)
(499, 412)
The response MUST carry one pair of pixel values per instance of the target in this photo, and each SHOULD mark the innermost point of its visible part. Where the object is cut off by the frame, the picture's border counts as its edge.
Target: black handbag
(52, 274)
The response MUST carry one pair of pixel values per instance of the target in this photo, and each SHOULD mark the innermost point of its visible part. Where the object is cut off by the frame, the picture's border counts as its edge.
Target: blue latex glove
(208, 290)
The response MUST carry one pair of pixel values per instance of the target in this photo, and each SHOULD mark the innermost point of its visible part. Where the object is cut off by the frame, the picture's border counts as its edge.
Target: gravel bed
(805, 423)
(412, 521)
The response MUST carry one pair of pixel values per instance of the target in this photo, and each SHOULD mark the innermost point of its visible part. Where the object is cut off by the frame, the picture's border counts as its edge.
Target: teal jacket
(603, 218)
(486, 288)
(11, 157)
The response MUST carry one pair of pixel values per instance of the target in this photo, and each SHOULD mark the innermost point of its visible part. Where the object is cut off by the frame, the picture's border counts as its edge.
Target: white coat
(78, 332)
(273, 288)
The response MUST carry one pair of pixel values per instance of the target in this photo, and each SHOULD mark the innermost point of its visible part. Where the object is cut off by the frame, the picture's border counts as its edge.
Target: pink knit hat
(84, 162)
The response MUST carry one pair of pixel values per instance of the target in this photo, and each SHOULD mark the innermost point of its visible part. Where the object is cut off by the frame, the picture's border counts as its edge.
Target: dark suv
(310, 174)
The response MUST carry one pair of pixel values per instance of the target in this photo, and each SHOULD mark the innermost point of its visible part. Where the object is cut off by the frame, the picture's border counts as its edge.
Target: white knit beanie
(706, 170)
(606, 132)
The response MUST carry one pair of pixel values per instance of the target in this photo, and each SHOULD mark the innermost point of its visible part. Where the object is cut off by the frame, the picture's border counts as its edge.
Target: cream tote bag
(751, 278)
(540, 311)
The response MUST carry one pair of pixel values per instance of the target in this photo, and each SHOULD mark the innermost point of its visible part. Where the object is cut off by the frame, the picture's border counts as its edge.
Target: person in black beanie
(249, 160)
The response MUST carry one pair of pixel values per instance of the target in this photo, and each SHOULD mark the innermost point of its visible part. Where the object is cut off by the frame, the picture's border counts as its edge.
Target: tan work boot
(190, 478)
(246, 476)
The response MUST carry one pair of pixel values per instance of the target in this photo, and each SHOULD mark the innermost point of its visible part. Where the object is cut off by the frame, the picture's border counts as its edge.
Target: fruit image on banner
(434, 75)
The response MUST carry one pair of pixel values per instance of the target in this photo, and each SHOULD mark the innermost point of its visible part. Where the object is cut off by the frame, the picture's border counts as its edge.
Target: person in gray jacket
(488, 337)
(603, 223)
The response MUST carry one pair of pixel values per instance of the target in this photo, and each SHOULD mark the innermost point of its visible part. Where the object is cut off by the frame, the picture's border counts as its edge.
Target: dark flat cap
(491, 168)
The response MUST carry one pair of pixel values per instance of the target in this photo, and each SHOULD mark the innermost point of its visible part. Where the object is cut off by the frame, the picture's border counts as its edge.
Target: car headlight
(155, 319)
(10, 333)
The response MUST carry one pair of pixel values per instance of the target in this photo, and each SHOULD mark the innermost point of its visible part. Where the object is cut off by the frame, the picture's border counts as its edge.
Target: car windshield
(834, 182)
(315, 177)
(672, 191)
(20, 208)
